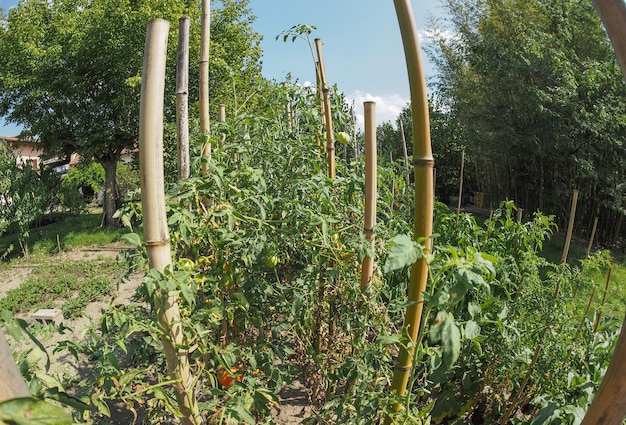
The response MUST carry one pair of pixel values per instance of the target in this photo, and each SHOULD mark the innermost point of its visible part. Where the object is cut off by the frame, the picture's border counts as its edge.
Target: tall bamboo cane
(423, 164)
(222, 119)
(406, 154)
(182, 98)
(458, 208)
(330, 138)
(205, 38)
(367, 268)
(593, 235)
(12, 384)
(156, 233)
(570, 227)
(609, 405)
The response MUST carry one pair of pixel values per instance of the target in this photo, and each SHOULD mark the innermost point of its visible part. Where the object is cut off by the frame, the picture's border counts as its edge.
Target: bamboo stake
(182, 98)
(156, 233)
(570, 227)
(367, 268)
(606, 290)
(406, 154)
(12, 384)
(423, 164)
(330, 138)
(518, 395)
(613, 15)
(458, 208)
(609, 405)
(222, 119)
(580, 328)
(593, 235)
(205, 38)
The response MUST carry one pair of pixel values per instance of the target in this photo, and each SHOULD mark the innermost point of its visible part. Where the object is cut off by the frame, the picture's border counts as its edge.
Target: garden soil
(294, 401)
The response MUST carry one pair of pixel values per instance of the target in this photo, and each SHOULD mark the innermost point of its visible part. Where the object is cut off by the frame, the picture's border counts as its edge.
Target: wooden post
(205, 38)
(182, 98)
(12, 384)
(156, 232)
(570, 227)
(330, 137)
(367, 268)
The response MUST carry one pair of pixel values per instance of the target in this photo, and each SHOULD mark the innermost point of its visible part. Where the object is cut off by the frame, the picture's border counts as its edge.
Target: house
(28, 151)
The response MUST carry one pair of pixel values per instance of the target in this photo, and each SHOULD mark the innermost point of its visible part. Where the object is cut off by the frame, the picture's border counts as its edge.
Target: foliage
(23, 196)
(72, 71)
(537, 97)
(266, 254)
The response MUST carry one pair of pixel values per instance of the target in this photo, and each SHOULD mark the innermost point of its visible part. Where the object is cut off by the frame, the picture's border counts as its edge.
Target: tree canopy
(72, 70)
(537, 96)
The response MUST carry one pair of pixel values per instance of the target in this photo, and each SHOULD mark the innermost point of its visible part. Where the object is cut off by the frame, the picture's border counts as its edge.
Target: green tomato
(343, 138)
(270, 261)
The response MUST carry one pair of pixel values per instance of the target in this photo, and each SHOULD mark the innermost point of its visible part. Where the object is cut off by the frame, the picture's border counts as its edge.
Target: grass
(615, 303)
(71, 232)
(72, 284)
(68, 284)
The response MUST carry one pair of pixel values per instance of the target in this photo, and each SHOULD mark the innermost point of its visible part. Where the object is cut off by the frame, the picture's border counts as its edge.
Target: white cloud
(388, 107)
(438, 34)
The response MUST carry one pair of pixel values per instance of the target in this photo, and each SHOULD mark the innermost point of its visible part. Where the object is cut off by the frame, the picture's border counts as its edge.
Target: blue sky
(362, 47)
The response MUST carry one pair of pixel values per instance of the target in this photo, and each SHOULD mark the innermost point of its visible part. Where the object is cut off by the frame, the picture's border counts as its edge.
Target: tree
(537, 96)
(72, 71)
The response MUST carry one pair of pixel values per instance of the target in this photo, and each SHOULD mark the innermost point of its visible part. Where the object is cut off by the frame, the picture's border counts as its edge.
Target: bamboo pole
(593, 235)
(613, 15)
(367, 268)
(406, 154)
(182, 98)
(423, 164)
(458, 208)
(222, 119)
(156, 233)
(205, 38)
(330, 138)
(570, 227)
(609, 405)
(606, 290)
(12, 384)
(522, 386)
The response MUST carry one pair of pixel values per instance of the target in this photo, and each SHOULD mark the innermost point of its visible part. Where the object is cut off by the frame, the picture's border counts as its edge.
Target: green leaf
(403, 252)
(133, 239)
(387, 339)
(447, 332)
(547, 414)
(471, 329)
(473, 309)
(31, 411)
(244, 414)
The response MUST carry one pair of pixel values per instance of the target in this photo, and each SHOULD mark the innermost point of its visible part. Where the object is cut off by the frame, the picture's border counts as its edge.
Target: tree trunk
(109, 202)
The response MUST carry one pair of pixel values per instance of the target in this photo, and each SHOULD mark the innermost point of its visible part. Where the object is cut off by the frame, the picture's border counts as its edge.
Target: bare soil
(294, 401)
